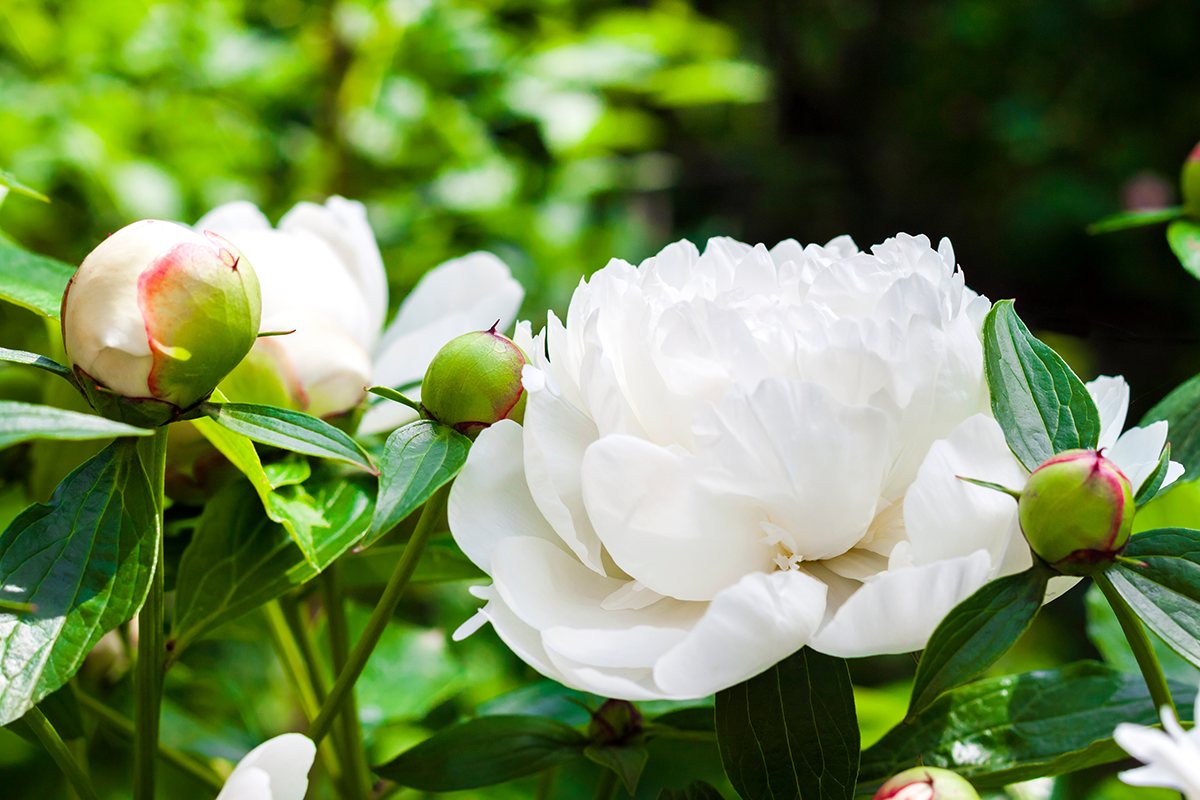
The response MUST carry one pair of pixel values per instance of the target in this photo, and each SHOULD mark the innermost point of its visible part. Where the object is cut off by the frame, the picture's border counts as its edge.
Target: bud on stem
(927, 783)
(474, 382)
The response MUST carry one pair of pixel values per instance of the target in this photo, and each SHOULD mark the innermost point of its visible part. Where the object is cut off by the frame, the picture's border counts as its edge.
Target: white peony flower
(728, 456)
(322, 276)
(1171, 756)
(275, 770)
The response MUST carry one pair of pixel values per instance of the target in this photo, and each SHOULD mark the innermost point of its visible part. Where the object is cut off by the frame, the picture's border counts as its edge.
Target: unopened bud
(474, 382)
(615, 722)
(1189, 182)
(1077, 512)
(927, 783)
(155, 317)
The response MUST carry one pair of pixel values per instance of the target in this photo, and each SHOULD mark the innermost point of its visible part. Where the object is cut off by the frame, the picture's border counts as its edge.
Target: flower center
(786, 557)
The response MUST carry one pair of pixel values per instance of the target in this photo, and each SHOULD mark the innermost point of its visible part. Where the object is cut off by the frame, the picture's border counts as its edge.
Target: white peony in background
(731, 455)
(1171, 756)
(322, 276)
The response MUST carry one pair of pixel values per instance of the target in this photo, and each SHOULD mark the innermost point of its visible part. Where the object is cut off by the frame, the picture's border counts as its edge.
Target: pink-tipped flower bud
(474, 382)
(1189, 182)
(1077, 512)
(616, 722)
(155, 317)
(927, 783)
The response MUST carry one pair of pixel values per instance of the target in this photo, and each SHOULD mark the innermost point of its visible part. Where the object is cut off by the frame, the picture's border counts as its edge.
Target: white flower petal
(490, 500)
(1137, 450)
(1111, 396)
(748, 627)
(285, 760)
(899, 610)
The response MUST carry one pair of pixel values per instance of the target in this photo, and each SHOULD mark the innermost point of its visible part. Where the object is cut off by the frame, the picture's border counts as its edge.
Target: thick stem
(606, 789)
(353, 753)
(175, 758)
(1139, 641)
(58, 750)
(381, 615)
(151, 649)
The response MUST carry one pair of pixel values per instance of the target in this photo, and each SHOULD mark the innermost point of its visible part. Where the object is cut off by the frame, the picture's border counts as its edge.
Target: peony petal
(947, 517)
(556, 435)
(232, 219)
(523, 640)
(343, 225)
(247, 784)
(331, 365)
(490, 501)
(898, 611)
(747, 628)
(1111, 396)
(1137, 450)
(285, 759)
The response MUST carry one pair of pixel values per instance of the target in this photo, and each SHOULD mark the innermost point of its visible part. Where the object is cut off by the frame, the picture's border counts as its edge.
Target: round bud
(1077, 512)
(615, 722)
(1189, 182)
(927, 783)
(475, 381)
(155, 317)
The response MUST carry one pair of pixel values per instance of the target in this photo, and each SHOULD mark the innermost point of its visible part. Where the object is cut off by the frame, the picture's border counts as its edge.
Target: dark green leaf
(20, 422)
(699, 718)
(791, 732)
(1105, 632)
(1134, 219)
(85, 560)
(627, 761)
(32, 281)
(41, 362)
(977, 632)
(697, 791)
(239, 559)
(9, 181)
(1004, 730)
(1160, 578)
(1153, 482)
(418, 459)
(1041, 405)
(440, 563)
(1181, 410)
(1183, 235)
(544, 698)
(290, 430)
(61, 710)
(483, 752)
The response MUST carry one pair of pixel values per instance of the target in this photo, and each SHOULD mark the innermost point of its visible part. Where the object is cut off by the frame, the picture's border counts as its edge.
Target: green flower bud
(616, 722)
(155, 317)
(1077, 512)
(1189, 182)
(927, 783)
(474, 382)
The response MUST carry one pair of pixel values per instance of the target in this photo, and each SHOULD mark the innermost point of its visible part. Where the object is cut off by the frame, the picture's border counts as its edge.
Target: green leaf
(440, 563)
(697, 791)
(627, 761)
(483, 752)
(85, 560)
(62, 710)
(41, 362)
(9, 181)
(293, 508)
(1041, 405)
(1153, 482)
(239, 558)
(1183, 235)
(289, 430)
(791, 732)
(1181, 410)
(1159, 576)
(977, 632)
(418, 459)
(1019, 727)
(32, 281)
(20, 422)
(1134, 219)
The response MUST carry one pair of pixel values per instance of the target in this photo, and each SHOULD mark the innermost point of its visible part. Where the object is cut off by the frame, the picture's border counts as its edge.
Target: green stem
(355, 755)
(302, 633)
(381, 615)
(175, 758)
(151, 649)
(1139, 641)
(546, 784)
(9, 607)
(606, 789)
(58, 751)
